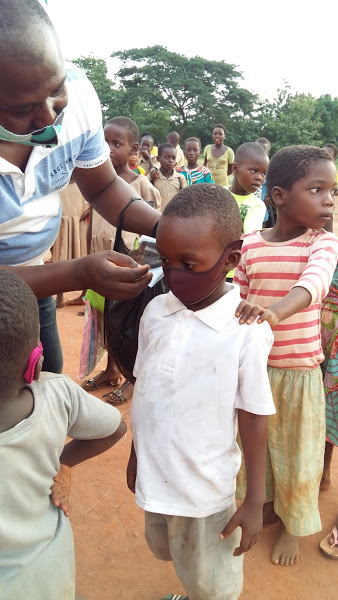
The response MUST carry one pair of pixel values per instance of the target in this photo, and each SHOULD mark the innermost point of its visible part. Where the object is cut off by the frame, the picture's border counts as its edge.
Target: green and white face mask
(47, 137)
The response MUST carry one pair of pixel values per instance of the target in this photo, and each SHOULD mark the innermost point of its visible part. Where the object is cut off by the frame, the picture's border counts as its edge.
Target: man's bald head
(25, 31)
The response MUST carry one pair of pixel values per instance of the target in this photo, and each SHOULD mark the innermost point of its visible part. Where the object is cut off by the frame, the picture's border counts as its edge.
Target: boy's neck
(220, 291)
(191, 167)
(283, 232)
(15, 408)
(165, 173)
(237, 189)
(125, 172)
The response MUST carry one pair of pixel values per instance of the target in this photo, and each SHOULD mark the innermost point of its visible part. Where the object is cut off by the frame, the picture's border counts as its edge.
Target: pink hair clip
(33, 359)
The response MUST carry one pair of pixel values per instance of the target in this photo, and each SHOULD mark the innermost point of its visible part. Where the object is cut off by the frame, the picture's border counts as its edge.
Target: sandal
(117, 398)
(330, 550)
(90, 385)
(175, 597)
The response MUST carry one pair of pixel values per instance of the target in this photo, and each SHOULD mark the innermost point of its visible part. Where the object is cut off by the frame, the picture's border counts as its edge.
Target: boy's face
(134, 158)
(146, 145)
(190, 244)
(250, 172)
(167, 159)
(218, 136)
(192, 151)
(310, 201)
(119, 144)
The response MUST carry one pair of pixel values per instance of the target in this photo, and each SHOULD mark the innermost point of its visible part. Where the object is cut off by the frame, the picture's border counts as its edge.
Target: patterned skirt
(329, 332)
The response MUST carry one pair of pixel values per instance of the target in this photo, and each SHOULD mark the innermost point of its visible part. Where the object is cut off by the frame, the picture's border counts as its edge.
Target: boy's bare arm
(295, 301)
(249, 515)
(75, 452)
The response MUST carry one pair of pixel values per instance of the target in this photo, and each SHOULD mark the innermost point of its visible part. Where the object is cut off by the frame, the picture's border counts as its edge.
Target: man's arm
(109, 273)
(108, 194)
(249, 515)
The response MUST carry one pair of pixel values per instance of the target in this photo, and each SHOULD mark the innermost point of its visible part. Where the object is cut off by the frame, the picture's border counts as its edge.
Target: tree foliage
(163, 90)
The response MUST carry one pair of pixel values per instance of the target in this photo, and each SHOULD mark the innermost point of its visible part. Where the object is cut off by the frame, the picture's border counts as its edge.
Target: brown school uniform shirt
(179, 156)
(169, 187)
(145, 164)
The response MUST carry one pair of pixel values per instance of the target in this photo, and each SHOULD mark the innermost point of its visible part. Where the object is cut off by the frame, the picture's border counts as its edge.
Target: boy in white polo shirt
(197, 373)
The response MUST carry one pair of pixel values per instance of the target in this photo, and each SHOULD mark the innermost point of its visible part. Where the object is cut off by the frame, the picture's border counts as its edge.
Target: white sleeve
(254, 392)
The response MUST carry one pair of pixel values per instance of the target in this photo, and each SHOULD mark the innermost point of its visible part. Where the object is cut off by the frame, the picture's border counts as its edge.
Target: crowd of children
(240, 325)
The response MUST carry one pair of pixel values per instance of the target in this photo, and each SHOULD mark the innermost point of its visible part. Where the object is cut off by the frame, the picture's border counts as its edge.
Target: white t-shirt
(36, 540)
(194, 370)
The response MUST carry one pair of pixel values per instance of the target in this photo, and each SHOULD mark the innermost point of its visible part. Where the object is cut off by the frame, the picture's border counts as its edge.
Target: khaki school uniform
(144, 164)
(179, 156)
(168, 187)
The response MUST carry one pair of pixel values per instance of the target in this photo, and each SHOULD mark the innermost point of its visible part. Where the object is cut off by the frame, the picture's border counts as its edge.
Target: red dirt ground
(113, 561)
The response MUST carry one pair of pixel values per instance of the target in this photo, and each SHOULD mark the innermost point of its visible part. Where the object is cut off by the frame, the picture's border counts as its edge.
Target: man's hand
(247, 313)
(61, 489)
(132, 469)
(112, 275)
(250, 518)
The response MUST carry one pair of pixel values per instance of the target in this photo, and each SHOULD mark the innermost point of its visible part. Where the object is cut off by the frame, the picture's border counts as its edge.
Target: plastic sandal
(330, 550)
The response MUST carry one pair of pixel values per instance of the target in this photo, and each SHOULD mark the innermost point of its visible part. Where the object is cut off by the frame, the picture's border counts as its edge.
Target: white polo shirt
(194, 370)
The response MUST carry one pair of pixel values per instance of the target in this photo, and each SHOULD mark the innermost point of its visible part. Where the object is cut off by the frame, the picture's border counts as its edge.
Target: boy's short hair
(292, 163)
(248, 149)
(332, 148)
(164, 146)
(129, 125)
(264, 141)
(220, 126)
(19, 326)
(174, 135)
(193, 139)
(208, 200)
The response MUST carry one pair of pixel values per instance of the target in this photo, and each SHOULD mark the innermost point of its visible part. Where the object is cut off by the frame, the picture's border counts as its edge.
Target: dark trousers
(49, 336)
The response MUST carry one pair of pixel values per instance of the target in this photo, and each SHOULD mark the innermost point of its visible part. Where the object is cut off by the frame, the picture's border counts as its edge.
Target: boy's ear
(234, 168)
(232, 261)
(278, 195)
(135, 148)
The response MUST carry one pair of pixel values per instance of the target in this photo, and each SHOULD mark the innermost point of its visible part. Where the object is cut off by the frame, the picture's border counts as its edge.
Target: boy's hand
(247, 313)
(145, 154)
(154, 174)
(250, 518)
(61, 489)
(132, 470)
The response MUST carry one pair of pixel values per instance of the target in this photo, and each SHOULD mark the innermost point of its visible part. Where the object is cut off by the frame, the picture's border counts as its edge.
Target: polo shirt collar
(217, 315)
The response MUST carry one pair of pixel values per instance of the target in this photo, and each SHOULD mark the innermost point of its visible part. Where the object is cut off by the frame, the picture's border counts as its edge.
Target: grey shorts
(203, 562)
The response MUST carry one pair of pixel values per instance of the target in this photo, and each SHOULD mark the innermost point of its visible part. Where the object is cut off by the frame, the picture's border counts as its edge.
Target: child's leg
(203, 562)
(326, 477)
(296, 437)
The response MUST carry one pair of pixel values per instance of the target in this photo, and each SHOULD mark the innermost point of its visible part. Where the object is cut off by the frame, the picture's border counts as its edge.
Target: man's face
(32, 95)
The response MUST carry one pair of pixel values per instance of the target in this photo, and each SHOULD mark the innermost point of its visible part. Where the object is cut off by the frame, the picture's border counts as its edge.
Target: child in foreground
(193, 172)
(286, 272)
(36, 415)
(198, 372)
(167, 180)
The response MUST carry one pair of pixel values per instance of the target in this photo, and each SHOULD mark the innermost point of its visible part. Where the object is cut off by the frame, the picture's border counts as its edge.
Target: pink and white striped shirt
(269, 270)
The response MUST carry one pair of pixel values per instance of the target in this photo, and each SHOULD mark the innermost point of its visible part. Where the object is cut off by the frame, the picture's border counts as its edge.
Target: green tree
(191, 90)
(96, 70)
(327, 111)
(290, 119)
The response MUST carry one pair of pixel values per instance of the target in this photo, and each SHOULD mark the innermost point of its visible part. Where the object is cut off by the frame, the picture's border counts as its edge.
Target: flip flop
(330, 550)
(90, 385)
(175, 597)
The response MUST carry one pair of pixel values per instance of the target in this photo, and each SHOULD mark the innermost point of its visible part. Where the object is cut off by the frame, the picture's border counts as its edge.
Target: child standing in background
(168, 181)
(193, 172)
(174, 139)
(36, 414)
(133, 162)
(147, 160)
(218, 157)
(121, 134)
(287, 270)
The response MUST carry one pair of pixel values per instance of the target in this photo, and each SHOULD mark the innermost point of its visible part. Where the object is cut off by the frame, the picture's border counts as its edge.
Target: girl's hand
(248, 313)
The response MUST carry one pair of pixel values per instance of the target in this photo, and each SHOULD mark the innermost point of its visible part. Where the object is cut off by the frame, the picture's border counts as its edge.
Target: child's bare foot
(269, 515)
(76, 301)
(286, 549)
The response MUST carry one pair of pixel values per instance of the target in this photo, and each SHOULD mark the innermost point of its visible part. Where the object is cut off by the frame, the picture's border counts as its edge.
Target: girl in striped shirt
(284, 274)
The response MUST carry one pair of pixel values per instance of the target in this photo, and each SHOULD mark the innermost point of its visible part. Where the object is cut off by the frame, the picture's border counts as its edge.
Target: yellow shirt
(219, 166)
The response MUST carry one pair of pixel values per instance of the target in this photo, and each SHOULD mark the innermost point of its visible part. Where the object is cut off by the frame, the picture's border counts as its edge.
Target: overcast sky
(269, 41)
